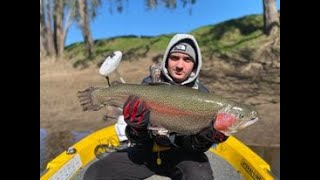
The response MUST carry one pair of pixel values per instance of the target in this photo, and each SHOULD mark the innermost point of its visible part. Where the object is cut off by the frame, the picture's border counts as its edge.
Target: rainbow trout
(175, 108)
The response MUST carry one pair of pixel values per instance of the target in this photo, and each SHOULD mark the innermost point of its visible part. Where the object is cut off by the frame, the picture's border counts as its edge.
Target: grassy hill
(239, 39)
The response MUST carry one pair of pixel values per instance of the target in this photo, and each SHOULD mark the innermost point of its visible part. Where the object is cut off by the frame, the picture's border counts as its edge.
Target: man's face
(180, 66)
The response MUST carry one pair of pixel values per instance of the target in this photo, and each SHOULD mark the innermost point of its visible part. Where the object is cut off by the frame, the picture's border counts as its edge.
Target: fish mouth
(234, 129)
(248, 123)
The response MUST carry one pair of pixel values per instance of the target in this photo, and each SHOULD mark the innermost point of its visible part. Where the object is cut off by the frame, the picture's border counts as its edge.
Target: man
(172, 155)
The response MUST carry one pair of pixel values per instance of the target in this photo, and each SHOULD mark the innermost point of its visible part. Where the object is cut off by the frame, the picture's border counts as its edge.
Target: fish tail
(87, 100)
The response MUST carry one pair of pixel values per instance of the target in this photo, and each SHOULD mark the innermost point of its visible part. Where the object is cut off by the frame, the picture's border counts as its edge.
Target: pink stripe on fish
(169, 110)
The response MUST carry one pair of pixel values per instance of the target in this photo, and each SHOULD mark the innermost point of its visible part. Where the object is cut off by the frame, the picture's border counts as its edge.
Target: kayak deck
(229, 160)
(221, 170)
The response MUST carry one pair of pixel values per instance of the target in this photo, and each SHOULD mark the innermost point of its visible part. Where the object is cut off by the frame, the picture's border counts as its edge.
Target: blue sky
(137, 20)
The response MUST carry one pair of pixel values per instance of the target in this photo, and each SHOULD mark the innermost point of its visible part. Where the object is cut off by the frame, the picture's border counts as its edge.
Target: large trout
(175, 108)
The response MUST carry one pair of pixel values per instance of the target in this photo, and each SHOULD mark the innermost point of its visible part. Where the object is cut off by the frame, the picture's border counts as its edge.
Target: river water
(53, 144)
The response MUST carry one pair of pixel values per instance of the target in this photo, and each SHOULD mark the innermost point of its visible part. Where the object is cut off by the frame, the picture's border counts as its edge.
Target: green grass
(233, 38)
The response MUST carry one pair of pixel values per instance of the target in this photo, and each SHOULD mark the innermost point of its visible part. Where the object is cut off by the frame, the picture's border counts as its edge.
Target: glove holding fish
(177, 109)
(135, 113)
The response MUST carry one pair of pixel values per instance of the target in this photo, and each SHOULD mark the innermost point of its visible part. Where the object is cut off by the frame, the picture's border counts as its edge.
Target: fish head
(233, 118)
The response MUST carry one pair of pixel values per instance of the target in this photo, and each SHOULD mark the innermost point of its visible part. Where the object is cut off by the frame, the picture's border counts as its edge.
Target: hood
(195, 73)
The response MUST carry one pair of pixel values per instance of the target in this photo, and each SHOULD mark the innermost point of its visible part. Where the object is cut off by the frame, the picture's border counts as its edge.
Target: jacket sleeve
(188, 143)
(139, 138)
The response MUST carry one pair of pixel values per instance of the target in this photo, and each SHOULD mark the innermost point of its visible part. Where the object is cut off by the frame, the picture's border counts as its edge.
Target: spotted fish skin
(176, 108)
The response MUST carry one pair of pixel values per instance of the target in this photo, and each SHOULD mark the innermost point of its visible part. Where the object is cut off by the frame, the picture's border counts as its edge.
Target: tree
(58, 27)
(56, 17)
(170, 4)
(46, 36)
(86, 10)
(55, 20)
(43, 49)
(61, 22)
(270, 17)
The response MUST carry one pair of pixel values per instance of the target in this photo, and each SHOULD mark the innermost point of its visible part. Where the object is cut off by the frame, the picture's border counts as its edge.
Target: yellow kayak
(72, 163)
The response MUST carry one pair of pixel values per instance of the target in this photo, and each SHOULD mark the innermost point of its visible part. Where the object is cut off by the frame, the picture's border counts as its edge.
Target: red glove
(135, 113)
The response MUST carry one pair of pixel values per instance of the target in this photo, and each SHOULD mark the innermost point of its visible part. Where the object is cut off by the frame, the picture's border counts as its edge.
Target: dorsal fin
(158, 83)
